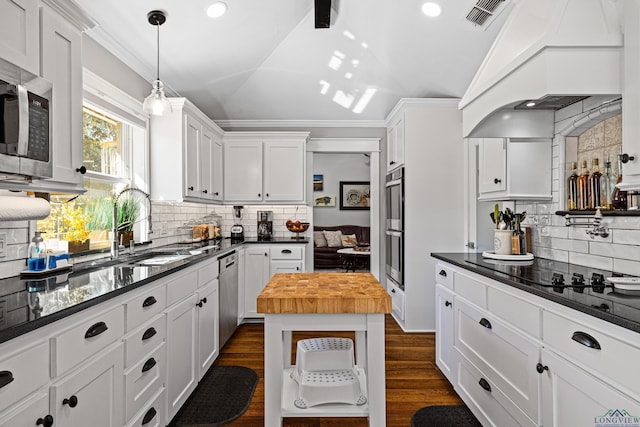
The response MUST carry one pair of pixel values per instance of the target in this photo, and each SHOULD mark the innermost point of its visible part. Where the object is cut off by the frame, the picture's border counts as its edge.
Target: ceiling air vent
(483, 10)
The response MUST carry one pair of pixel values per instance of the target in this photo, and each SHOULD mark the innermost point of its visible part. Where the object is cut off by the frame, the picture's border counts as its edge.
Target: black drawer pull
(204, 300)
(47, 421)
(541, 368)
(484, 322)
(149, 333)
(96, 329)
(497, 181)
(72, 401)
(443, 273)
(485, 384)
(199, 304)
(286, 251)
(149, 416)
(586, 340)
(149, 364)
(5, 378)
(393, 291)
(149, 301)
(447, 303)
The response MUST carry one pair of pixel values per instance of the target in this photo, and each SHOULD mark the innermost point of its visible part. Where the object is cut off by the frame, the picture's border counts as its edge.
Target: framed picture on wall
(318, 182)
(327, 201)
(354, 195)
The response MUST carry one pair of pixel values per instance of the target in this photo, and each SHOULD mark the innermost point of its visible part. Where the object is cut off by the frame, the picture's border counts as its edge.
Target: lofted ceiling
(264, 60)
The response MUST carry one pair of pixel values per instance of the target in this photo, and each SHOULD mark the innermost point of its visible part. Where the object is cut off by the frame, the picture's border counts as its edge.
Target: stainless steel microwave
(25, 120)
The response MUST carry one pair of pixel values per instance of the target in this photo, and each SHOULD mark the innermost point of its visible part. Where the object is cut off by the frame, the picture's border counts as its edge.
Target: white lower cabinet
(446, 356)
(32, 412)
(397, 300)
(152, 415)
(208, 327)
(144, 380)
(92, 394)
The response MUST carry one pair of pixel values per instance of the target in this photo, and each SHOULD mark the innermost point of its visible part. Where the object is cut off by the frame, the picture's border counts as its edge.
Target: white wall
(336, 168)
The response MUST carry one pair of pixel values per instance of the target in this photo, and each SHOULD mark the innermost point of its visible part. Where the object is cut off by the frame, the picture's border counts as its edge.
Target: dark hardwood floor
(413, 380)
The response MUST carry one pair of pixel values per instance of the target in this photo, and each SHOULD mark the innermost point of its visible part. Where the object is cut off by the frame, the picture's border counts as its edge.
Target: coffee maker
(237, 230)
(265, 225)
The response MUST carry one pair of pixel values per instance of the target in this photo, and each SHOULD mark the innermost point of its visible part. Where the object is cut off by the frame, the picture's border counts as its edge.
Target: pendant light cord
(158, 49)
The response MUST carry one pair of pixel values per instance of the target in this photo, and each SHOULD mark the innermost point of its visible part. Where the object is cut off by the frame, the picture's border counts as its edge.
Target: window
(115, 155)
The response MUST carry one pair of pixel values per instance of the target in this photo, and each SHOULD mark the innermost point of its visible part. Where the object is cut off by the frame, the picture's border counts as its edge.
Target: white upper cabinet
(19, 33)
(182, 153)
(395, 143)
(514, 169)
(264, 166)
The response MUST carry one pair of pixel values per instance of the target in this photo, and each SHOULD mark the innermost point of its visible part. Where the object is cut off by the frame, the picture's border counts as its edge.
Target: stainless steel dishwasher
(228, 308)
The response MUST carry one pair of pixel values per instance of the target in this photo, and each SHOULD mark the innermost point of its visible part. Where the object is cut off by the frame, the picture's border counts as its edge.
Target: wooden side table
(353, 260)
(323, 302)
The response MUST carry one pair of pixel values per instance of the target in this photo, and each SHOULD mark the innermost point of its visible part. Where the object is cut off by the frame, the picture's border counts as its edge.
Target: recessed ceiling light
(531, 104)
(217, 9)
(431, 9)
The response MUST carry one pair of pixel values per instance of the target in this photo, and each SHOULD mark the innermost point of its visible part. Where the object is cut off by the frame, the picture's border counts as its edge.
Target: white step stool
(325, 373)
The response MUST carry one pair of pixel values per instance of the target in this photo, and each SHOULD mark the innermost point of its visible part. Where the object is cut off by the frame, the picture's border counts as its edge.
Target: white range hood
(552, 52)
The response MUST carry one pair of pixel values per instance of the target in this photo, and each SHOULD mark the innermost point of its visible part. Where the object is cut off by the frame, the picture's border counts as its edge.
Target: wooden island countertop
(323, 293)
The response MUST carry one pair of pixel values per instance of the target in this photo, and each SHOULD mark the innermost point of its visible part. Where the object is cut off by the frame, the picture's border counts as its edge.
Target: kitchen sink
(160, 259)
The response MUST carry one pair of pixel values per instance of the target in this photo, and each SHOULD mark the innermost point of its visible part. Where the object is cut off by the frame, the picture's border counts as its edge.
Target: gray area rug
(223, 395)
(444, 416)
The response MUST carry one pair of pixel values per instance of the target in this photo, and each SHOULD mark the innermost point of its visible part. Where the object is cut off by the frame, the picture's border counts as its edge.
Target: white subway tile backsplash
(626, 266)
(626, 237)
(594, 261)
(631, 252)
(553, 254)
(570, 245)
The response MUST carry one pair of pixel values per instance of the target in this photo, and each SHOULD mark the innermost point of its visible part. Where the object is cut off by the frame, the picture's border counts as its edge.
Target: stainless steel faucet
(115, 244)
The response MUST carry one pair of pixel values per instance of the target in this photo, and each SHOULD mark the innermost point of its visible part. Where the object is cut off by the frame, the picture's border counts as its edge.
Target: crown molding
(226, 124)
(72, 13)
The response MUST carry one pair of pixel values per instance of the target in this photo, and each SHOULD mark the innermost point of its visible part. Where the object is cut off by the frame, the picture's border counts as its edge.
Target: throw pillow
(319, 239)
(349, 240)
(333, 238)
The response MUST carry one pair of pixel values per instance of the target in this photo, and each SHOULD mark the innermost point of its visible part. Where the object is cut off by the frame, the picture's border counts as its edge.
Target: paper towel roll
(19, 208)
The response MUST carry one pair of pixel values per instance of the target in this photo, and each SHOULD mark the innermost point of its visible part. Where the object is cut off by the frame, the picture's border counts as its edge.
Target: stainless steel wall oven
(394, 189)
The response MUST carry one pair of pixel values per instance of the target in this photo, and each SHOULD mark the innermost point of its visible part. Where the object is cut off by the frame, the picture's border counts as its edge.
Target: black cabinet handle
(586, 340)
(393, 291)
(149, 364)
(259, 194)
(96, 329)
(149, 416)
(149, 301)
(149, 333)
(485, 384)
(5, 378)
(443, 273)
(82, 170)
(47, 421)
(484, 322)
(497, 181)
(267, 195)
(286, 251)
(447, 303)
(72, 401)
(215, 194)
(297, 268)
(204, 300)
(205, 191)
(266, 254)
(541, 368)
(392, 162)
(190, 188)
(199, 304)
(625, 158)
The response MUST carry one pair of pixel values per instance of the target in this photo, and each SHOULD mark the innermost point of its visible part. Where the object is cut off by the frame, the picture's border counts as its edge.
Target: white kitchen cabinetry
(264, 166)
(207, 327)
(92, 394)
(395, 143)
(262, 262)
(19, 33)
(445, 353)
(31, 412)
(514, 169)
(183, 145)
(397, 300)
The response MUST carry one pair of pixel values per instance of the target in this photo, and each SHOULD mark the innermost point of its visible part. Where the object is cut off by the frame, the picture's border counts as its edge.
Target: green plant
(100, 211)
(128, 209)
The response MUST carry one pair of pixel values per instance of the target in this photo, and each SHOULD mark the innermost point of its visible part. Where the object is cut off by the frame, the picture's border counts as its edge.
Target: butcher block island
(324, 302)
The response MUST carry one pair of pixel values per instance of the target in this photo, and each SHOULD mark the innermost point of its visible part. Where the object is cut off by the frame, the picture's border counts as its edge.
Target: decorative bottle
(607, 185)
(594, 184)
(619, 197)
(518, 239)
(37, 254)
(583, 187)
(572, 188)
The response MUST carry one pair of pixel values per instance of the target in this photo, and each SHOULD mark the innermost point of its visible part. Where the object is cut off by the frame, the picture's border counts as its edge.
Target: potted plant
(128, 209)
(74, 224)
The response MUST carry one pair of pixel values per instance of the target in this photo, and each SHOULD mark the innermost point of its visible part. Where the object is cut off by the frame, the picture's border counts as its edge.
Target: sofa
(328, 257)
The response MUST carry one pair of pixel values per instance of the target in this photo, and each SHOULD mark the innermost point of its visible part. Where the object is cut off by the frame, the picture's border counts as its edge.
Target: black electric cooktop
(582, 288)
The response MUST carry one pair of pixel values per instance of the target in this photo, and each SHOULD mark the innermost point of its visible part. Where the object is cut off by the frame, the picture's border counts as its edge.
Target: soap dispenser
(37, 253)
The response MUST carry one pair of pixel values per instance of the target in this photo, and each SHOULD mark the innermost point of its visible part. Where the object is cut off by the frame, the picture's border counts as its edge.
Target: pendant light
(157, 103)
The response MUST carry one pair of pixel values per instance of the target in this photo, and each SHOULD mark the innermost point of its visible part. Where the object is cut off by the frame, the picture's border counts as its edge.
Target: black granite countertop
(27, 304)
(618, 307)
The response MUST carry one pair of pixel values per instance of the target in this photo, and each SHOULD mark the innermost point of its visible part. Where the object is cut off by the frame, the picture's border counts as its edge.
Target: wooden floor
(413, 380)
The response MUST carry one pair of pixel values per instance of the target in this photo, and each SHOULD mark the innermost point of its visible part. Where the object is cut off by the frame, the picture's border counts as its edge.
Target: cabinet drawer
(488, 398)
(444, 275)
(27, 413)
(144, 380)
(27, 371)
(144, 339)
(181, 287)
(286, 252)
(397, 300)
(86, 339)
(615, 360)
(208, 273)
(516, 311)
(471, 289)
(507, 357)
(144, 307)
(152, 415)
